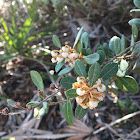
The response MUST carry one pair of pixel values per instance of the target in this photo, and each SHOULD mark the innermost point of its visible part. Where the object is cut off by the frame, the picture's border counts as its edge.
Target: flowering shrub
(87, 76)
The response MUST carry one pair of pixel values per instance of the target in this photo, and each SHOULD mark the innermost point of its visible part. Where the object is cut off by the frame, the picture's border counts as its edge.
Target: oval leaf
(102, 56)
(136, 50)
(67, 82)
(80, 112)
(84, 40)
(135, 32)
(130, 84)
(94, 73)
(135, 21)
(33, 103)
(56, 41)
(68, 112)
(123, 43)
(80, 68)
(71, 93)
(37, 80)
(92, 58)
(59, 66)
(78, 37)
(65, 71)
(117, 45)
(109, 70)
(137, 3)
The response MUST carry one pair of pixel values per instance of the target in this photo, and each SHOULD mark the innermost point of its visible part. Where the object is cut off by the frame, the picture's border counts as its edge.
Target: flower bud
(59, 59)
(79, 100)
(93, 104)
(80, 92)
(51, 72)
(101, 88)
(54, 53)
(65, 49)
(64, 55)
(53, 60)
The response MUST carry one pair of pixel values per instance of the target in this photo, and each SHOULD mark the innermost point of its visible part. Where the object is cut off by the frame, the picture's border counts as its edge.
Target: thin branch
(123, 52)
(116, 122)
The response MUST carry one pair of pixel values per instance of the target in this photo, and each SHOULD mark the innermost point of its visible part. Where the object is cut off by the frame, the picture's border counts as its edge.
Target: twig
(116, 122)
(136, 130)
(123, 52)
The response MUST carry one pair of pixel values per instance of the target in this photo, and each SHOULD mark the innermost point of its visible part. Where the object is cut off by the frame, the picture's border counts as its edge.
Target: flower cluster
(66, 53)
(89, 96)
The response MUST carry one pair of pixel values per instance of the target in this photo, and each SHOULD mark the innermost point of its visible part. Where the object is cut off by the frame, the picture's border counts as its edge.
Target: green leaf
(92, 58)
(136, 50)
(123, 43)
(102, 56)
(11, 102)
(56, 41)
(109, 70)
(84, 40)
(135, 10)
(135, 21)
(94, 73)
(44, 109)
(67, 82)
(78, 37)
(106, 49)
(80, 112)
(65, 71)
(111, 43)
(137, 3)
(80, 68)
(78, 47)
(119, 83)
(32, 103)
(68, 112)
(130, 84)
(88, 52)
(71, 93)
(123, 65)
(132, 40)
(99, 47)
(37, 80)
(117, 45)
(135, 32)
(59, 66)
(121, 104)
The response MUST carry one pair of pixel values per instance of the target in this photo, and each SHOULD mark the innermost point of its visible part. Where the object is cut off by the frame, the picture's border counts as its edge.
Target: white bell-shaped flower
(70, 56)
(98, 81)
(93, 104)
(53, 60)
(84, 106)
(64, 54)
(51, 72)
(79, 100)
(80, 79)
(75, 55)
(54, 53)
(101, 88)
(59, 59)
(80, 92)
(65, 49)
